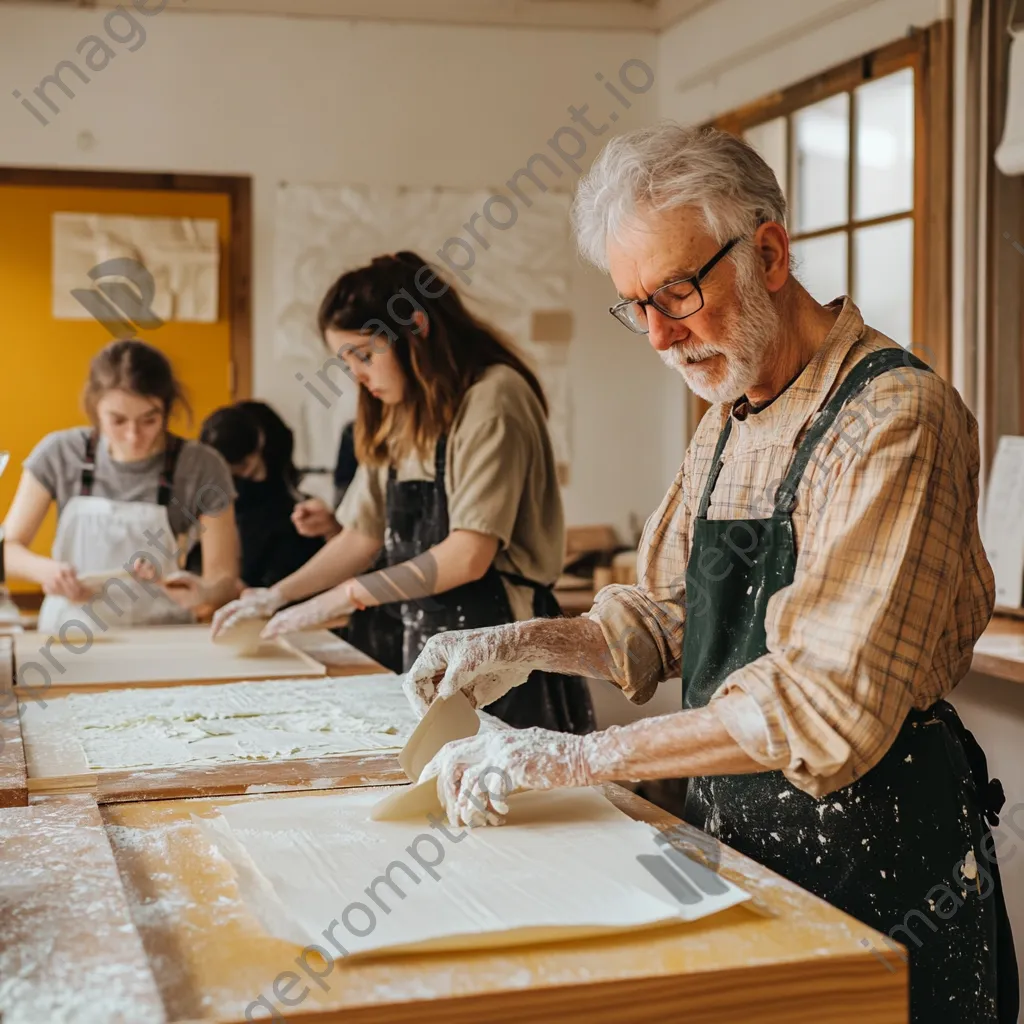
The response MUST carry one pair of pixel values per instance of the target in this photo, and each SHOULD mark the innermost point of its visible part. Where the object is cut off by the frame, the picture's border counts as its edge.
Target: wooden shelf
(999, 651)
(575, 601)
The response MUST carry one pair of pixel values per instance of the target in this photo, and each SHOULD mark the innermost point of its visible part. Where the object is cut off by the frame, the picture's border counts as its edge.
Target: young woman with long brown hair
(456, 500)
(127, 491)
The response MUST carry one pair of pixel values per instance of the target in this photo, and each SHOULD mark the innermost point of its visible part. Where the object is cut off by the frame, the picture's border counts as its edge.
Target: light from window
(884, 261)
(821, 160)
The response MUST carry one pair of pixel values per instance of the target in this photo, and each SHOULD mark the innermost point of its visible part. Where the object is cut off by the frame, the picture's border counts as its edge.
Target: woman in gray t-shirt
(126, 490)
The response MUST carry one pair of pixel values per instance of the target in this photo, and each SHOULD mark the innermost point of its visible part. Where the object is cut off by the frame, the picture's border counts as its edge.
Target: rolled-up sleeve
(851, 638)
(643, 624)
(489, 468)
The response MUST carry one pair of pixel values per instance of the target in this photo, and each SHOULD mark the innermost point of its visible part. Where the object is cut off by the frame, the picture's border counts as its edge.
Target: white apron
(95, 534)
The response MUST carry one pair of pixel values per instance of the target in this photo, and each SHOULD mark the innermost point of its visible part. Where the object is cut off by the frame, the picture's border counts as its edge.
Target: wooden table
(339, 656)
(68, 949)
(796, 961)
(13, 775)
(55, 746)
(804, 963)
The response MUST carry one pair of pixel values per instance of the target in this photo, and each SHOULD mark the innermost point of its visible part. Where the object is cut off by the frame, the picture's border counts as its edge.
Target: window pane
(884, 178)
(769, 139)
(821, 150)
(821, 265)
(884, 277)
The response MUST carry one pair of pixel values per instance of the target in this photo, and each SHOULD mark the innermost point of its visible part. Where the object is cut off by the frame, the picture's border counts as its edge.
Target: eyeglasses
(676, 300)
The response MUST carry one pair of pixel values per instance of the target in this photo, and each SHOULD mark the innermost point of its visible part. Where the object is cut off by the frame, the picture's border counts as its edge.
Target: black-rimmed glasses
(676, 300)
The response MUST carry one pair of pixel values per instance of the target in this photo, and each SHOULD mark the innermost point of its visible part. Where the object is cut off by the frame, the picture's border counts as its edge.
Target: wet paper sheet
(314, 870)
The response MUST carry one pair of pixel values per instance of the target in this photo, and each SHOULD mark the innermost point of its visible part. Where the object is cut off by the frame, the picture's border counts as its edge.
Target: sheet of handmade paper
(316, 871)
(196, 725)
(174, 275)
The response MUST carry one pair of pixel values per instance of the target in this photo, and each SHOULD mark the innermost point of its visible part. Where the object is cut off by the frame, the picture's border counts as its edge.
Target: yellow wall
(45, 361)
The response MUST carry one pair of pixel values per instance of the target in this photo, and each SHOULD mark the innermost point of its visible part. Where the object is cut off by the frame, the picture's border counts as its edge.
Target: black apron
(887, 848)
(394, 634)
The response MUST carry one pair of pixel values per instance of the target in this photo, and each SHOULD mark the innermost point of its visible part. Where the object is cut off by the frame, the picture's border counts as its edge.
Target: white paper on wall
(181, 254)
(321, 231)
(1003, 523)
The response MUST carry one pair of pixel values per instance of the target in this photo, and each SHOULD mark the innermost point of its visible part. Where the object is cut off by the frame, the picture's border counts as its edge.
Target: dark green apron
(888, 848)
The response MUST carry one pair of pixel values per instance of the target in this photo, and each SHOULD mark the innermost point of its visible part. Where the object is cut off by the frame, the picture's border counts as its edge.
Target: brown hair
(133, 366)
(440, 364)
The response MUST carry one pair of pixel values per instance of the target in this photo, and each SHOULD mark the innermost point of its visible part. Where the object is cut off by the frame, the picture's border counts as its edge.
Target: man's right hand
(483, 663)
(314, 518)
(60, 579)
(257, 603)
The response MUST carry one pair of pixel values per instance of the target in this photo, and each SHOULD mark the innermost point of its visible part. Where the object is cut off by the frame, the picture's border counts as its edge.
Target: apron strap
(716, 468)
(440, 457)
(857, 379)
(89, 469)
(172, 450)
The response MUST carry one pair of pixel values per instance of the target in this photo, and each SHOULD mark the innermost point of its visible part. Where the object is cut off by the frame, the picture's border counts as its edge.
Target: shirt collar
(794, 406)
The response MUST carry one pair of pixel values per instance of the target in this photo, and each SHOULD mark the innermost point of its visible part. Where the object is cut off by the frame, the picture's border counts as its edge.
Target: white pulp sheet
(259, 721)
(564, 865)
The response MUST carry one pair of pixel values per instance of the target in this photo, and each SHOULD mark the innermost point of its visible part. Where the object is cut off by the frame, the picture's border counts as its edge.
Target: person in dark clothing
(258, 446)
(347, 463)
(313, 517)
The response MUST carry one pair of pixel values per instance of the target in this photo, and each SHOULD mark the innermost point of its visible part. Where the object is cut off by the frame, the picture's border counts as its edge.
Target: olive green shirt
(500, 480)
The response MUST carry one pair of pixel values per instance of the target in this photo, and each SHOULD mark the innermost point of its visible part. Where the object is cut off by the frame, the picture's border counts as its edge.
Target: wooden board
(68, 949)
(339, 657)
(148, 656)
(13, 774)
(802, 962)
(13, 771)
(266, 736)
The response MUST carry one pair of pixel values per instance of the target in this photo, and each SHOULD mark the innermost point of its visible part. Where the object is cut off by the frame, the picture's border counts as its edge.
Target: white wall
(334, 101)
(734, 51)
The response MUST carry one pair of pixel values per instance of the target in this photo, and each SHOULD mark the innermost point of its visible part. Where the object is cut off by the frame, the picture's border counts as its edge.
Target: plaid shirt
(892, 585)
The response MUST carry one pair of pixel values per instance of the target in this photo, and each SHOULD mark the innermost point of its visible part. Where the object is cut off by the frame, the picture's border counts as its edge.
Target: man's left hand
(477, 775)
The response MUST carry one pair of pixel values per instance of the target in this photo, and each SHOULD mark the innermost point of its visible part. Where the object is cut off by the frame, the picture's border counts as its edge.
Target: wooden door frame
(929, 51)
(239, 192)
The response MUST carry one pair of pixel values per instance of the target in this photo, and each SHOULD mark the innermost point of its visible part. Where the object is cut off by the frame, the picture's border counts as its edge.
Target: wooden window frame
(239, 192)
(929, 52)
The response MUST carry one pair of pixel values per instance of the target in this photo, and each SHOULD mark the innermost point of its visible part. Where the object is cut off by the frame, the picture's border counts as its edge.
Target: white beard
(746, 349)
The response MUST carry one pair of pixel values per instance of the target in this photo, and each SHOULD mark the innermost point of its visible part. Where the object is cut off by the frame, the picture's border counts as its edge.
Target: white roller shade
(1010, 154)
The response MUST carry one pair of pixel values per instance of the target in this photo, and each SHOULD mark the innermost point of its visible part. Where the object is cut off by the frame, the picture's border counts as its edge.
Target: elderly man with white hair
(814, 574)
